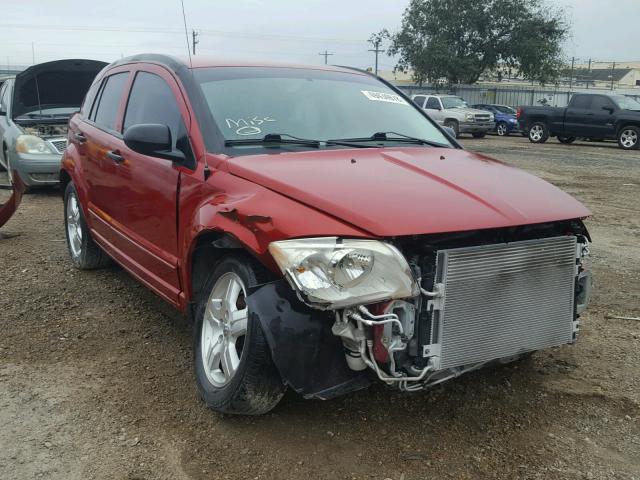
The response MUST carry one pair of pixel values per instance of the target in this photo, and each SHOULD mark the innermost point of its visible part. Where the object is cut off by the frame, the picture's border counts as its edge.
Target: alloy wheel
(74, 228)
(629, 138)
(536, 133)
(502, 129)
(224, 328)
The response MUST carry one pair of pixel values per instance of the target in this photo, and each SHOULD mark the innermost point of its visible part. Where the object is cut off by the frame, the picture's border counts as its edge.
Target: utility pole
(376, 43)
(573, 64)
(613, 67)
(33, 54)
(588, 74)
(326, 55)
(194, 40)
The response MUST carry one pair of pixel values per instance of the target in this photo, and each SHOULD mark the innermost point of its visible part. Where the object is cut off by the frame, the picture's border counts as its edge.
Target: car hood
(405, 191)
(474, 111)
(58, 84)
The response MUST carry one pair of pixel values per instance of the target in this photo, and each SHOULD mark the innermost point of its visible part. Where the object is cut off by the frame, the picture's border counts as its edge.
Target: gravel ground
(96, 382)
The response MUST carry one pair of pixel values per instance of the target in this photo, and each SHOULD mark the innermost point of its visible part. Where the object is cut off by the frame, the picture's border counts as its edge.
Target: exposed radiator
(505, 299)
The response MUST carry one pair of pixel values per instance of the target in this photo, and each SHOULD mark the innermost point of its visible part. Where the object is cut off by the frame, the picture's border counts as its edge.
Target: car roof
(175, 62)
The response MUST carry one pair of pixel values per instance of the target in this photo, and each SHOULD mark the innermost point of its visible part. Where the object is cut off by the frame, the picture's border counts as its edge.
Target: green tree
(459, 40)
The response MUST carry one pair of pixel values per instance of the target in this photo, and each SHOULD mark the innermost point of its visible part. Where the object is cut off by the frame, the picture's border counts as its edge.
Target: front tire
(452, 124)
(232, 363)
(629, 138)
(538, 132)
(84, 252)
(479, 134)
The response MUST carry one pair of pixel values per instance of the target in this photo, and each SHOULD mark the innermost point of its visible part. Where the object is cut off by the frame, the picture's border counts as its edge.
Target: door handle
(80, 138)
(115, 156)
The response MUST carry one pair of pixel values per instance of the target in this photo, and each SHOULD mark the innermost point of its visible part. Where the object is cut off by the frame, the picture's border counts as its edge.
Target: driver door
(434, 109)
(145, 210)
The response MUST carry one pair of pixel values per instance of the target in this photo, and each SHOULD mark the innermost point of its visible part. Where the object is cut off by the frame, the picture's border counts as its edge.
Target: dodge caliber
(320, 230)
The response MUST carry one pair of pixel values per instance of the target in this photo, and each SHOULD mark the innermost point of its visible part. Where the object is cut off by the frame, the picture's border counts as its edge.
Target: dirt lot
(96, 382)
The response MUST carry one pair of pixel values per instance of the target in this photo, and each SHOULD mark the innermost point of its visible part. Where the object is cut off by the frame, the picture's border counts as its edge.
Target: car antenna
(186, 34)
(207, 171)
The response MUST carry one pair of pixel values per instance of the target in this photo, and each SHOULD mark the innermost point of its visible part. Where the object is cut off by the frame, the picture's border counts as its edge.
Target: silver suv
(453, 112)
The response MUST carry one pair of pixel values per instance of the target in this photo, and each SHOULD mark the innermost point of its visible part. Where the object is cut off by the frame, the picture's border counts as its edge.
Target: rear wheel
(84, 252)
(502, 129)
(629, 138)
(232, 363)
(479, 134)
(452, 124)
(538, 132)
(566, 140)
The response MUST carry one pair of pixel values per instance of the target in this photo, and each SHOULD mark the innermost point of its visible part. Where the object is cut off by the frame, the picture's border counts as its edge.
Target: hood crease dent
(411, 190)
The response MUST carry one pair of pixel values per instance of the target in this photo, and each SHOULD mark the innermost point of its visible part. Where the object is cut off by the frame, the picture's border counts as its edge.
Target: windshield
(453, 102)
(626, 103)
(505, 109)
(250, 103)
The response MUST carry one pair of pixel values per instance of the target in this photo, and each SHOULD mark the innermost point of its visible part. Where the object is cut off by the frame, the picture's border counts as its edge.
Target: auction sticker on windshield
(384, 97)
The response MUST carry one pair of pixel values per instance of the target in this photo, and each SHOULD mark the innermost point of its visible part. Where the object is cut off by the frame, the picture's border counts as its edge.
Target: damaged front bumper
(478, 305)
(8, 209)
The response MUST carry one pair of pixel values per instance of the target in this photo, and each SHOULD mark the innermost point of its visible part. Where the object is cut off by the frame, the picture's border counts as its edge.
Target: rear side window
(581, 101)
(152, 101)
(106, 108)
(419, 100)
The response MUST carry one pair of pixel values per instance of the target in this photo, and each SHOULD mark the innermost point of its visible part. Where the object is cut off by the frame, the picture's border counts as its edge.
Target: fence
(508, 95)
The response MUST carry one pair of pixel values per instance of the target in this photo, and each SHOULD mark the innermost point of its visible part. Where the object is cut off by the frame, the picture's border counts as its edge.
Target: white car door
(434, 109)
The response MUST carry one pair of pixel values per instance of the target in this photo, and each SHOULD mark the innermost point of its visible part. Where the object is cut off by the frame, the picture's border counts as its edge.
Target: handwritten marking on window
(248, 126)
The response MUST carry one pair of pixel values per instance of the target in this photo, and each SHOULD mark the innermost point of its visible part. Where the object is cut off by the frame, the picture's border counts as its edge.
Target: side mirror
(152, 139)
(608, 109)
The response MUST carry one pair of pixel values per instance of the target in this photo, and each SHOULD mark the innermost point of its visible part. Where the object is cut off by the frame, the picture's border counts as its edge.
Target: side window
(89, 98)
(599, 103)
(106, 112)
(433, 103)
(4, 100)
(419, 100)
(581, 101)
(152, 101)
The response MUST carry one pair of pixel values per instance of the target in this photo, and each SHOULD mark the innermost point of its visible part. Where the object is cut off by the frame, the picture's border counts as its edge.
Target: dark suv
(318, 227)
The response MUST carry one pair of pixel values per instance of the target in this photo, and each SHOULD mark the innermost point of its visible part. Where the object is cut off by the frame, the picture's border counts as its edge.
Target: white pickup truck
(453, 112)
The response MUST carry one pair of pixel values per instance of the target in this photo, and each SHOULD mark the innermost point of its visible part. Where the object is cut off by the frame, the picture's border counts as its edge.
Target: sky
(278, 30)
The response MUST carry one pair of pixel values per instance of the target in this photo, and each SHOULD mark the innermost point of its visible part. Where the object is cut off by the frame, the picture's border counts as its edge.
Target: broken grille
(505, 299)
(59, 145)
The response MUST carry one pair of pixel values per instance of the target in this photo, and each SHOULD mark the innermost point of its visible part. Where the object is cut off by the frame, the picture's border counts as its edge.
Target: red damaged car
(320, 229)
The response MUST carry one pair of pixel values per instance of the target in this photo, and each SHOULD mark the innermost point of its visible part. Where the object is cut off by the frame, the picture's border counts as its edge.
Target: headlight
(470, 117)
(31, 144)
(332, 273)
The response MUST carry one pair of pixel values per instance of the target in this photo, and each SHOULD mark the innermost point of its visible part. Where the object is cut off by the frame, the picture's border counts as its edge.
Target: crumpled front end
(477, 298)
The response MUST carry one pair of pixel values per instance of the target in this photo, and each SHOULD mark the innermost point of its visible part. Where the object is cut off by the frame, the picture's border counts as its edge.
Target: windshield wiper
(394, 137)
(286, 139)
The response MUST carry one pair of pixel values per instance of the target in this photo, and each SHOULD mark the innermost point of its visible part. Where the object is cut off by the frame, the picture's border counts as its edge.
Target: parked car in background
(454, 113)
(593, 116)
(321, 230)
(35, 107)
(505, 117)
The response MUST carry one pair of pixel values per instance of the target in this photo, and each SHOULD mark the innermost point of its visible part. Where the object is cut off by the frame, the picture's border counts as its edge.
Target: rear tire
(538, 132)
(629, 138)
(479, 134)
(453, 124)
(84, 252)
(502, 129)
(566, 140)
(232, 362)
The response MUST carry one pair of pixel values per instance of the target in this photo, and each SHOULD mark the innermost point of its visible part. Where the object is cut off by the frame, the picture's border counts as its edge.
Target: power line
(326, 55)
